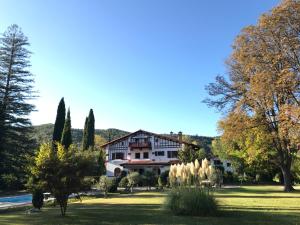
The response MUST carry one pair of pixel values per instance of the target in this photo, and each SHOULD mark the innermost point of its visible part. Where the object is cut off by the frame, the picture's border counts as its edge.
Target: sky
(139, 64)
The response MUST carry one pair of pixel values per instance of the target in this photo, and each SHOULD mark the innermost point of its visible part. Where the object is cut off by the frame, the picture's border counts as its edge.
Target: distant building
(226, 164)
(141, 151)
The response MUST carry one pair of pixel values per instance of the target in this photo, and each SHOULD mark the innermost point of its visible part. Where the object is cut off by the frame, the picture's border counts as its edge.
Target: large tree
(59, 121)
(16, 89)
(89, 131)
(263, 88)
(66, 139)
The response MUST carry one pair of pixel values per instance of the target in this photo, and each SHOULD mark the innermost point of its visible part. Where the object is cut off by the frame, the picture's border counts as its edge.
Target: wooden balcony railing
(135, 145)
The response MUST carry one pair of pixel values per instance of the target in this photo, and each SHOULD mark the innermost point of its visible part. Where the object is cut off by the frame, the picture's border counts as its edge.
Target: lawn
(246, 205)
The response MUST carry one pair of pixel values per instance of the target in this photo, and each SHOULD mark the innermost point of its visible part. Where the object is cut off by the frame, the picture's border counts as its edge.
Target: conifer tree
(89, 131)
(16, 88)
(84, 138)
(66, 139)
(59, 121)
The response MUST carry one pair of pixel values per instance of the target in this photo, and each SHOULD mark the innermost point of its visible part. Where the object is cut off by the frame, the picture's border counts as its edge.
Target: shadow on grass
(256, 196)
(126, 214)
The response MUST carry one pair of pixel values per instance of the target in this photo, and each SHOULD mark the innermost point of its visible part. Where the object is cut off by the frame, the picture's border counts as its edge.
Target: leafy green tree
(61, 172)
(59, 121)
(66, 139)
(16, 89)
(190, 154)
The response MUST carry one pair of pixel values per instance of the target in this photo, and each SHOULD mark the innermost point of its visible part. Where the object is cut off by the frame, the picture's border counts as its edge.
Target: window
(146, 155)
(172, 154)
(137, 155)
(159, 153)
(117, 155)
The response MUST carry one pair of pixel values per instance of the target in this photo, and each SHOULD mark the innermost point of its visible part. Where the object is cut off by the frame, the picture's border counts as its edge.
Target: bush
(133, 179)
(149, 179)
(123, 182)
(105, 184)
(37, 199)
(164, 178)
(216, 177)
(113, 188)
(191, 202)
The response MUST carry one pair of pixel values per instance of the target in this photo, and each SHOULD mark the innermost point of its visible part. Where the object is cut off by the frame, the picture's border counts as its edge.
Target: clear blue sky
(137, 63)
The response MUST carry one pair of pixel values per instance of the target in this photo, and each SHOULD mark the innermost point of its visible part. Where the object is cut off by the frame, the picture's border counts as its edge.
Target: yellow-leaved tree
(262, 94)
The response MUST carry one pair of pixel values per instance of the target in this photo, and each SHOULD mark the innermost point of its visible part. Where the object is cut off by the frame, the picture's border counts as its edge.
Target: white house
(141, 151)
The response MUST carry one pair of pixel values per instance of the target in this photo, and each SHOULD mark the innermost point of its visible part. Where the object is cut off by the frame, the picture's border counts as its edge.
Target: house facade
(141, 151)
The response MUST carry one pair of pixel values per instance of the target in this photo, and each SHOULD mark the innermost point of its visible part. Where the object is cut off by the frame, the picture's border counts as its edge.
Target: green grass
(246, 205)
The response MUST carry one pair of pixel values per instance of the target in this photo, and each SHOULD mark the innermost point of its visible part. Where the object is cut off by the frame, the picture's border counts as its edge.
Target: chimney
(180, 136)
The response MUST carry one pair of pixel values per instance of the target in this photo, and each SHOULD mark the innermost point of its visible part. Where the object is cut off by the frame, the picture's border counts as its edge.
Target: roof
(150, 133)
(148, 163)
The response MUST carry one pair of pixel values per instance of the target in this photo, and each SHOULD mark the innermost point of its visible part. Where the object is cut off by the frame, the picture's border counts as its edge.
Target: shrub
(37, 199)
(149, 179)
(114, 185)
(124, 182)
(216, 177)
(133, 179)
(191, 202)
(164, 178)
(105, 184)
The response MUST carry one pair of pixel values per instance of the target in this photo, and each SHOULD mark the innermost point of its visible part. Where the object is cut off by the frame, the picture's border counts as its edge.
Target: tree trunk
(287, 178)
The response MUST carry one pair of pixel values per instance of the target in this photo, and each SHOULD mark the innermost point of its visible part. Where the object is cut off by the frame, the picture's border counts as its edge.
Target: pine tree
(16, 88)
(59, 121)
(66, 139)
(84, 138)
(89, 131)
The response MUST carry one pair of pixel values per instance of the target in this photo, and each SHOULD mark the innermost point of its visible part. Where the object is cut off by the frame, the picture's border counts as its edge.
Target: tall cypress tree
(89, 131)
(16, 88)
(66, 139)
(84, 137)
(59, 121)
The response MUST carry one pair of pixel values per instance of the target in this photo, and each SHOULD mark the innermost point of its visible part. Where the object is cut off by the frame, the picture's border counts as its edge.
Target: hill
(43, 133)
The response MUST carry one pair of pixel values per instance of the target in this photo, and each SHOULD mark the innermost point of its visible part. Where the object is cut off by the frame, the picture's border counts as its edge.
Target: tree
(263, 88)
(85, 135)
(61, 172)
(89, 131)
(16, 89)
(190, 154)
(59, 121)
(66, 139)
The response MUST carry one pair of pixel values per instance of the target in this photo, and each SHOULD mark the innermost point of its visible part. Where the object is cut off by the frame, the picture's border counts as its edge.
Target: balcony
(136, 145)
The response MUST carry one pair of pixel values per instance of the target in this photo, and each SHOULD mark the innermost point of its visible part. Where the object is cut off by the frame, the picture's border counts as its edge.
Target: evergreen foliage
(84, 137)
(59, 121)
(16, 88)
(37, 199)
(66, 139)
(89, 132)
